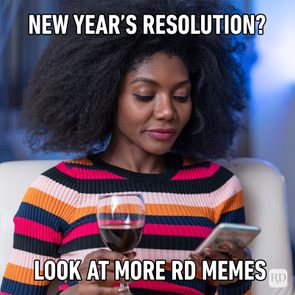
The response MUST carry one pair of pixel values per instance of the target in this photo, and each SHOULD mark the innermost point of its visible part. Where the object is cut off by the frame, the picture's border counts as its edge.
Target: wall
(272, 111)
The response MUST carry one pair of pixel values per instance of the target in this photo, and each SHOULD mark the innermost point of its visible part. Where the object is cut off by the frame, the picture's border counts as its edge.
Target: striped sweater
(57, 219)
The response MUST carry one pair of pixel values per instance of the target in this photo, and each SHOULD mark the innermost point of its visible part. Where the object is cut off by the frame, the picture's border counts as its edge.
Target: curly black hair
(72, 94)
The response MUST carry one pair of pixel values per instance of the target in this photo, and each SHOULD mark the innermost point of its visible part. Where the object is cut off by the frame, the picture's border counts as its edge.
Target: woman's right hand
(100, 287)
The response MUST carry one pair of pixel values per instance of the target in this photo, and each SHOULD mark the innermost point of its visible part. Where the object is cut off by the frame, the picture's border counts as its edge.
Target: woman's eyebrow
(151, 81)
(145, 80)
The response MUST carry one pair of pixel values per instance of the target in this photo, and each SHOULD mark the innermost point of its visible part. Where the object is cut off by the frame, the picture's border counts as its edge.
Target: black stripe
(173, 163)
(86, 242)
(237, 216)
(16, 288)
(60, 177)
(83, 220)
(41, 216)
(179, 220)
(100, 186)
(35, 246)
(171, 220)
(147, 242)
(99, 166)
(239, 287)
(153, 219)
(169, 242)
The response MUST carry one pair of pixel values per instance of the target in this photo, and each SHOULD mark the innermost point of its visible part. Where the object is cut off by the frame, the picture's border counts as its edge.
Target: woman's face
(154, 105)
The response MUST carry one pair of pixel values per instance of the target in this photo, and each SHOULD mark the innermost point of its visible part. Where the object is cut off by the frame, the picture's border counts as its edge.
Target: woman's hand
(94, 287)
(230, 251)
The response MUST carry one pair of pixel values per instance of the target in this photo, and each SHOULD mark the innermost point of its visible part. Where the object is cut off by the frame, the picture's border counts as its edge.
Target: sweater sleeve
(44, 213)
(232, 211)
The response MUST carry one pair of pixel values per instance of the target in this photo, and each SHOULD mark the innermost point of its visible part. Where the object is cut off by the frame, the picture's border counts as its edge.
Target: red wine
(121, 238)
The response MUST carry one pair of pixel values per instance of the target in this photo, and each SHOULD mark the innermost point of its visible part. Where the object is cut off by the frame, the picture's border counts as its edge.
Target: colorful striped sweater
(57, 219)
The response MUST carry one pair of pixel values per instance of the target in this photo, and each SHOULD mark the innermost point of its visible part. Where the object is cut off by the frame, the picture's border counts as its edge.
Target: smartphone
(240, 234)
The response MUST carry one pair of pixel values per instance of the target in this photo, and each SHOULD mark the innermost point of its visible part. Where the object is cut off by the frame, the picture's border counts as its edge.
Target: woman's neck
(133, 159)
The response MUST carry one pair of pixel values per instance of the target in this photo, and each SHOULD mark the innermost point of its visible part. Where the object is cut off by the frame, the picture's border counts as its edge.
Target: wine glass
(121, 219)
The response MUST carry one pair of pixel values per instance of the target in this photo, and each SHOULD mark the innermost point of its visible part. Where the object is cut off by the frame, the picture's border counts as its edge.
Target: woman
(167, 104)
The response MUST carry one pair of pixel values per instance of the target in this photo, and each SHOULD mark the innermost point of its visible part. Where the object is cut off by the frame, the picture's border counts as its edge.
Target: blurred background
(269, 132)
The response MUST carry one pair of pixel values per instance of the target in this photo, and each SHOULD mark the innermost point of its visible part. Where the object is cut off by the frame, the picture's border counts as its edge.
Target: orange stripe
(80, 212)
(232, 203)
(158, 209)
(22, 275)
(80, 161)
(64, 210)
(178, 210)
(49, 203)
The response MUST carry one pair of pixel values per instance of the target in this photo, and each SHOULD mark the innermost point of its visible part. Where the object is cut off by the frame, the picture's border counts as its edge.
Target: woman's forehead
(156, 66)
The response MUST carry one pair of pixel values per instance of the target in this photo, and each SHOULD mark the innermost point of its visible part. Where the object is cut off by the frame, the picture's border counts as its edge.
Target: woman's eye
(143, 97)
(182, 98)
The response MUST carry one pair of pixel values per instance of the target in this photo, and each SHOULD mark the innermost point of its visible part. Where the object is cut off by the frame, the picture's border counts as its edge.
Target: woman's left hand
(230, 251)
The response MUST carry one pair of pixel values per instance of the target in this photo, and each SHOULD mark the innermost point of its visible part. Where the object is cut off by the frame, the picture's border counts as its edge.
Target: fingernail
(223, 246)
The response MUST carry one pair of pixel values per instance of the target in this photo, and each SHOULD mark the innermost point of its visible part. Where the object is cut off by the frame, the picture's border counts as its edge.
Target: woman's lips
(161, 134)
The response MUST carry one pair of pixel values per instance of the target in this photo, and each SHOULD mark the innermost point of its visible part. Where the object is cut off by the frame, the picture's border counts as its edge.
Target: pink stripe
(2, 293)
(90, 228)
(177, 230)
(81, 173)
(196, 173)
(36, 230)
(149, 229)
(165, 286)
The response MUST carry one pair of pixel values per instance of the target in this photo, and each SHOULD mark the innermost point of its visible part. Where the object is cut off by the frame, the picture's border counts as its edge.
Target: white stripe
(210, 200)
(26, 259)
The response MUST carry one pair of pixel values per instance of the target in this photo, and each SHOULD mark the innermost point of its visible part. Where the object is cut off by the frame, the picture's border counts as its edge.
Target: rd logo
(278, 278)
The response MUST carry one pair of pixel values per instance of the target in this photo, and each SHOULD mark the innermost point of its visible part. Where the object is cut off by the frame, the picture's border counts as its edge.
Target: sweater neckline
(173, 163)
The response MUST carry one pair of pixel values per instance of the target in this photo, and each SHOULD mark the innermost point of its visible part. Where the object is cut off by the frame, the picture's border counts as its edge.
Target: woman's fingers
(231, 251)
(212, 254)
(130, 255)
(235, 251)
(198, 258)
(102, 270)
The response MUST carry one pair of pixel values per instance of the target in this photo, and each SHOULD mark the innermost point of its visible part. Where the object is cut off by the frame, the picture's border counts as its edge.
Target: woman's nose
(164, 108)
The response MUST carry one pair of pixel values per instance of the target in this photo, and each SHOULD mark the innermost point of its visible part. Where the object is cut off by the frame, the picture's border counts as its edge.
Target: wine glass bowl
(121, 220)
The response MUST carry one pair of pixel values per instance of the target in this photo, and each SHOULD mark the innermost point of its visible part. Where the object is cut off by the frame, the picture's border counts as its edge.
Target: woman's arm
(230, 210)
(38, 230)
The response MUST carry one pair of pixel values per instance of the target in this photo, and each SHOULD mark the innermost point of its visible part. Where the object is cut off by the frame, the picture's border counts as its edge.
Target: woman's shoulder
(207, 169)
(205, 164)
(67, 169)
(212, 175)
